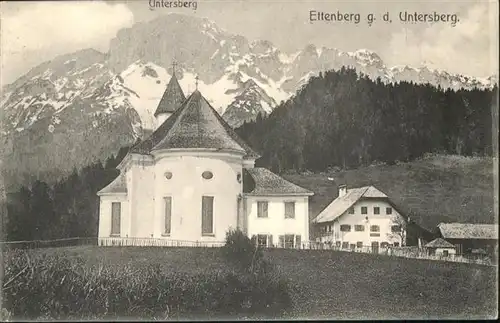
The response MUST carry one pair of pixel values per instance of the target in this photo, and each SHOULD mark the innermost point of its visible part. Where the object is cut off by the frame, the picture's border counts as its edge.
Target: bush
(60, 288)
(241, 250)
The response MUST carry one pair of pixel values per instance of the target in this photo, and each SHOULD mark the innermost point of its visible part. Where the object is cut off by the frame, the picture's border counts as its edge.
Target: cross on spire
(174, 64)
(196, 82)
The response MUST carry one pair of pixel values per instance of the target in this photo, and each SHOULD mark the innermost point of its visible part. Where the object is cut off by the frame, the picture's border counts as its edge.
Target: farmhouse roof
(468, 231)
(439, 243)
(261, 181)
(342, 203)
(172, 98)
(117, 186)
(195, 125)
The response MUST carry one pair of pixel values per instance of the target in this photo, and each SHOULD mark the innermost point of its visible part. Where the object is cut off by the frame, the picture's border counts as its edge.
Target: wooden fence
(404, 252)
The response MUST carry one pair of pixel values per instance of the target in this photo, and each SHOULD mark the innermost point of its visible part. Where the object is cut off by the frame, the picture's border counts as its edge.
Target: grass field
(336, 285)
(434, 189)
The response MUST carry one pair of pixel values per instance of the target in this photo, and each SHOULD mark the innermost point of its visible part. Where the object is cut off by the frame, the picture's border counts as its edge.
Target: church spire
(172, 98)
(174, 64)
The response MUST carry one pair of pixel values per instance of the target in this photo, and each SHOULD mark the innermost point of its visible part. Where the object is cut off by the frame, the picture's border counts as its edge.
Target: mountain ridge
(77, 93)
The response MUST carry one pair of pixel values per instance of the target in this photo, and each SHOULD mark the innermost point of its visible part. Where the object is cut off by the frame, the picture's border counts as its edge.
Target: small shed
(440, 247)
(470, 236)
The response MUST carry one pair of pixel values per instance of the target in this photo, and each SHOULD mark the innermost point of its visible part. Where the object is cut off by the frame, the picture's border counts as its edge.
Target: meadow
(304, 284)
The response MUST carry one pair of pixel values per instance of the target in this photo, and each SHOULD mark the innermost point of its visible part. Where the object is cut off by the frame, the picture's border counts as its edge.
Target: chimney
(342, 190)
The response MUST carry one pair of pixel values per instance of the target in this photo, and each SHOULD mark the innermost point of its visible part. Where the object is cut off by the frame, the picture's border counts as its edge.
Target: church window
(168, 214)
(262, 209)
(207, 175)
(207, 215)
(289, 210)
(115, 218)
(168, 175)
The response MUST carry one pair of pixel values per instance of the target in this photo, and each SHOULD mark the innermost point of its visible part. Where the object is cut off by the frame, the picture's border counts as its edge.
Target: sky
(34, 32)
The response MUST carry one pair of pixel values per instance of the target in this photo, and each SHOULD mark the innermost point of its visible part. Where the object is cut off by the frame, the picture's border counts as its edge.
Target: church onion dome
(195, 125)
(172, 98)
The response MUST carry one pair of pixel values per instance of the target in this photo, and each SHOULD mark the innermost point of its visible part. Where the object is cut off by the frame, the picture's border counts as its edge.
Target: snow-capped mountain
(85, 105)
(251, 101)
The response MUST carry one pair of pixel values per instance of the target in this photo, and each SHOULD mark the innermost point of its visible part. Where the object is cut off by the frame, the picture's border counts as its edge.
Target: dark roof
(439, 243)
(261, 181)
(194, 125)
(172, 98)
(469, 231)
(118, 185)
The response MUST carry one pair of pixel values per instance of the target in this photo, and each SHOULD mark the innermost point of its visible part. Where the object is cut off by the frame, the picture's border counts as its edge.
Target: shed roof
(439, 243)
(117, 186)
(342, 203)
(194, 125)
(471, 231)
(261, 181)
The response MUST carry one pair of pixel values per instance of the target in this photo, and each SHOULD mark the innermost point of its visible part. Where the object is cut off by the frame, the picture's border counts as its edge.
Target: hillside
(433, 189)
(341, 119)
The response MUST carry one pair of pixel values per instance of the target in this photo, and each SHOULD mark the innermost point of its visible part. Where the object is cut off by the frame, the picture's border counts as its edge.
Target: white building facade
(193, 180)
(360, 218)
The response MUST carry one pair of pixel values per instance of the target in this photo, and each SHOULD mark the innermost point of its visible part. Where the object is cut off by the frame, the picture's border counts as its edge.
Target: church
(193, 180)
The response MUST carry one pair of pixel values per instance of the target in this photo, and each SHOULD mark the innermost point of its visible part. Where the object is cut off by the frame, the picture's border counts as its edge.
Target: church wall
(187, 186)
(276, 224)
(142, 208)
(105, 215)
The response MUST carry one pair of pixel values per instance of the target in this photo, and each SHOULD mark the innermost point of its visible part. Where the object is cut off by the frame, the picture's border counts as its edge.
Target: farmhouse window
(359, 227)
(352, 246)
(345, 245)
(289, 210)
(337, 244)
(262, 209)
(289, 240)
(168, 214)
(359, 244)
(445, 253)
(351, 210)
(396, 228)
(388, 210)
(345, 228)
(207, 215)
(364, 210)
(376, 210)
(374, 228)
(116, 210)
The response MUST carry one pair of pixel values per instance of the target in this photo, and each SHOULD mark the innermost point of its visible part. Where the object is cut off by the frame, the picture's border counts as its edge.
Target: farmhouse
(361, 217)
(193, 179)
(469, 238)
